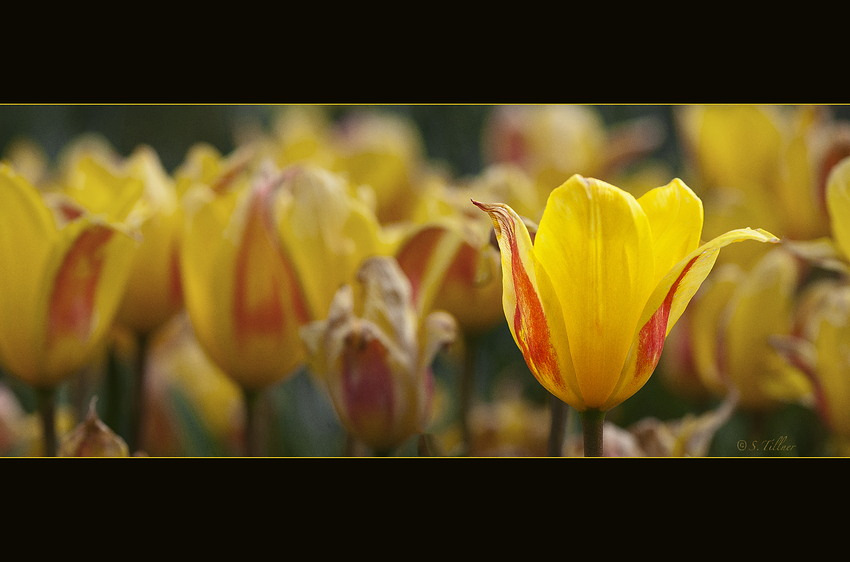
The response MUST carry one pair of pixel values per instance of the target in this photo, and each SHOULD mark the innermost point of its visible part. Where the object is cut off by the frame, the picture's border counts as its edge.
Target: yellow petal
(666, 305)
(27, 234)
(595, 244)
(838, 202)
(325, 232)
(762, 307)
(675, 218)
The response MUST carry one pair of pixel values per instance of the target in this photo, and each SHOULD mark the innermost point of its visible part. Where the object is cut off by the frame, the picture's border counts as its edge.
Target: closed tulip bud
(377, 364)
(93, 438)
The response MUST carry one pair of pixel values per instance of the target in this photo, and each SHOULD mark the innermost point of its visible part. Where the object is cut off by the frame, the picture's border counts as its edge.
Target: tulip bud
(93, 438)
(377, 366)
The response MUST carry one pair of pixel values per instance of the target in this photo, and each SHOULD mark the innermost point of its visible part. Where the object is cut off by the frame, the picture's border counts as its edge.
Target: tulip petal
(763, 306)
(536, 324)
(838, 202)
(666, 305)
(675, 216)
(595, 243)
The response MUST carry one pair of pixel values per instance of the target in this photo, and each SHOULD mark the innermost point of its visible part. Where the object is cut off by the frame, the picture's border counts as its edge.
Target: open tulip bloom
(591, 299)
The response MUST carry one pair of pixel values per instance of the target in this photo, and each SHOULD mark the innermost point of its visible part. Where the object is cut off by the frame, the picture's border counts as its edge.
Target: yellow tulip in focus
(376, 358)
(592, 298)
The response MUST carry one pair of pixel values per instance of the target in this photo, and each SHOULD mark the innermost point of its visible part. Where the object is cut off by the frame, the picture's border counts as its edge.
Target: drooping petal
(595, 244)
(666, 305)
(536, 324)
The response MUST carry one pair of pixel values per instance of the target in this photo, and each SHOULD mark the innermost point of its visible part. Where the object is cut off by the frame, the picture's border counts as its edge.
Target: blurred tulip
(63, 273)
(821, 350)
(732, 324)
(385, 152)
(763, 164)
(242, 296)
(551, 142)
(93, 438)
(591, 300)
(194, 408)
(375, 356)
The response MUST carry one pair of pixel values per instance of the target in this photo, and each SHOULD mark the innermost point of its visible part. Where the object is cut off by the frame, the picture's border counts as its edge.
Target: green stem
(47, 411)
(138, 413)
(558, 427)
(251, 398)
(591, 426)
(467, 384)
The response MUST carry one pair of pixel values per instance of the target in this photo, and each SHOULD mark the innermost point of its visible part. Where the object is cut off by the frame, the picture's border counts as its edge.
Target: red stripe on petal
(654, 332)
(368, 385)
(529, 319)
(257, 307)
(73, 299)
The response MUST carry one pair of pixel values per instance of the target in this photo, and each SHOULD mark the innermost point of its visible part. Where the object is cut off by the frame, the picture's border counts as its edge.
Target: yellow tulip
(376, 359)
(592, 298)
(242, 296)
(62, 274)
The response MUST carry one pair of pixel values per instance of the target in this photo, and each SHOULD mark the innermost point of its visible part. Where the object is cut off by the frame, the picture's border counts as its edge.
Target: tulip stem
(591, 426)
(250, 397)
(467, 386)
(558, 409)
(47, 411)
(137, 415)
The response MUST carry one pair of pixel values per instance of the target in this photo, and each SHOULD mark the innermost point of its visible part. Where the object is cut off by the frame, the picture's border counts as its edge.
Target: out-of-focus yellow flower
(821, 350)
(265, 254)
(592, 298)
(375, 356)
(140, 192)
(385, 152)
(551, 142)
(62, 273)
(763, 164)
(244, 299)
(732, 324)
(448, 255)
(180, 372)
(93, 438)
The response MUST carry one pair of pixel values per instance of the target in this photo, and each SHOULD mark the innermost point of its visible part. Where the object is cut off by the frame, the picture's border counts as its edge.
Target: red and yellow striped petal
(664, 308)
(536, 324)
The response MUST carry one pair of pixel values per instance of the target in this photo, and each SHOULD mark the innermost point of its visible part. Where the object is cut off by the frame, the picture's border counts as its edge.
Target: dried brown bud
(93, 438)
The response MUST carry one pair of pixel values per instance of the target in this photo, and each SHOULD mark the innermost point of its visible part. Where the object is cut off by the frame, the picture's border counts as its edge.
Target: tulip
(377, 363)
(264, 255)
(763, 164)
(591, 300)
(63, 273)
(550, 142)
(139, 191)
(820, 350)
